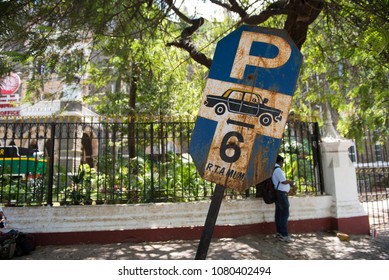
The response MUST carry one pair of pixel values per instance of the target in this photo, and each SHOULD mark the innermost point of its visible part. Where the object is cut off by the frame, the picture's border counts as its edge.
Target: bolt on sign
(245, 106)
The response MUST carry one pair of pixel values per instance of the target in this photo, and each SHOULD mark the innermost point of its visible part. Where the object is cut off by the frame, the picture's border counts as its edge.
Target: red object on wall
(9, 84)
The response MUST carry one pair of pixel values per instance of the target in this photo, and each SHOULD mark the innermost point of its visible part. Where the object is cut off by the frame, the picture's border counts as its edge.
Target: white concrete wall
(161, 215)
(340, 179)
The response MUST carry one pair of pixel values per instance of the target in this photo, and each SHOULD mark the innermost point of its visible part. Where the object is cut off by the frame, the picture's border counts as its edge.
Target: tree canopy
(151, 57)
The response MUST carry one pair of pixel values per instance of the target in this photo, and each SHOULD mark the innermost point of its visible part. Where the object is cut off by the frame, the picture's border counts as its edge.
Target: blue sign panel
(245, 106)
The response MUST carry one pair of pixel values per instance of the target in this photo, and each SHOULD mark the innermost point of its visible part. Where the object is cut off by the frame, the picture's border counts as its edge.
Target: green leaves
(118, 50)
(346, 66)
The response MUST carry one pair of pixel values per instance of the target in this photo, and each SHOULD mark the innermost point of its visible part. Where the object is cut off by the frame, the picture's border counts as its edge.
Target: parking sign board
(245, 106)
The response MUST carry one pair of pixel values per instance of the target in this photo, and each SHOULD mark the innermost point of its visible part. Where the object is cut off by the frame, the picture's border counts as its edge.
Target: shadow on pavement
(309, 246)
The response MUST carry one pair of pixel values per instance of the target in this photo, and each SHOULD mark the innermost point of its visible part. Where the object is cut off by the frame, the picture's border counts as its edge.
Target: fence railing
(73, 161)
(371, 159)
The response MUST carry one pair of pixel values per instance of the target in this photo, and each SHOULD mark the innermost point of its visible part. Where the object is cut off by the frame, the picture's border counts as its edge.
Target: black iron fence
(78, 161)
(371, 159)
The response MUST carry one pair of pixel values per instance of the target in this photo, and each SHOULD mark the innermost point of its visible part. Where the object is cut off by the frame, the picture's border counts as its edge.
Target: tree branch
(303, 13)
(193, 52)
(233, 7)
(300, 14)
(185, 40)
(177, 11)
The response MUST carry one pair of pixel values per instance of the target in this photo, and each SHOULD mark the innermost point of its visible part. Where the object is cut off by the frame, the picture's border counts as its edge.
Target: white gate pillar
(340, 182)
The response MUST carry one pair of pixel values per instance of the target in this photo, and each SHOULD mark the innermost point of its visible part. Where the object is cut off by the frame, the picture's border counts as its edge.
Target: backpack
(25, 243)
(266, 190)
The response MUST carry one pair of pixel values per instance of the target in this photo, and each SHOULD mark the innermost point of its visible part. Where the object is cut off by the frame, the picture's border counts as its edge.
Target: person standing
(282, 186)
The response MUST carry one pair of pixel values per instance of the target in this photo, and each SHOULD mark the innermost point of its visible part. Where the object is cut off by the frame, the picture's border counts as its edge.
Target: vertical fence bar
(152, 187)
(317, 159)
(59, 167)
(171, 158)
(66, 168)
(123, 189)
(144, 144)
(160, 153)
(112, 184)
(51, 166)
(105, 161)
(136, 170)
(312, 165)
(370, 166)
(179, 161)
(99, 197)
(304, 140)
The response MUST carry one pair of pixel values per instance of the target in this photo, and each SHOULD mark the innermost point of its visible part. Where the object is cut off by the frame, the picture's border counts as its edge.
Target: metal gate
(371, 159)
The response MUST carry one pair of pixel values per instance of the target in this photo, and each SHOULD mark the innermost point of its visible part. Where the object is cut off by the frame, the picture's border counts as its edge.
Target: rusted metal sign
(245, 106)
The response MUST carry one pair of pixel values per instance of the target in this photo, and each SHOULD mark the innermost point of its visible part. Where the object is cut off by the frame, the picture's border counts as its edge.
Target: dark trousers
(282, 213)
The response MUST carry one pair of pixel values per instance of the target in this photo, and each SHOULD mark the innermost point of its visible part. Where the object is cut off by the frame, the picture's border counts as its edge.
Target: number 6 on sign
(226, 145)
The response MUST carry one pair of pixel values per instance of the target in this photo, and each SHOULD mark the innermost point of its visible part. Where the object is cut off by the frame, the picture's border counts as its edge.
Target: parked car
(246, 103)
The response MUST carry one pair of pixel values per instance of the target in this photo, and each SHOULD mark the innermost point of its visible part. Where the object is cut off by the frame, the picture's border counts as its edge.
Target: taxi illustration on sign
(242, 102)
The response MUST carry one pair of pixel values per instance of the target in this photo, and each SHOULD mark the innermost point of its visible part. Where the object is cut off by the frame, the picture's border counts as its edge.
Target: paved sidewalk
(314, 246)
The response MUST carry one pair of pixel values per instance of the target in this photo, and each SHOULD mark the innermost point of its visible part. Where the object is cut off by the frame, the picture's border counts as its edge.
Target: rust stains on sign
(243, 57)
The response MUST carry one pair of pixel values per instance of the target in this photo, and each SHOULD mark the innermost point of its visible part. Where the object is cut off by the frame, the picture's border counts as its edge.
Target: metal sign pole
(210, 222)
